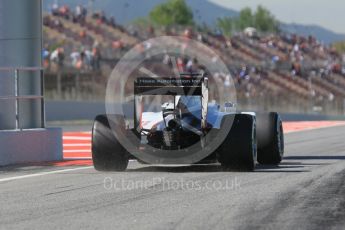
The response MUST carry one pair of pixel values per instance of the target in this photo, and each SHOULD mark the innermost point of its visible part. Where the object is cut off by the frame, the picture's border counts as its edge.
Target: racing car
(188, 130)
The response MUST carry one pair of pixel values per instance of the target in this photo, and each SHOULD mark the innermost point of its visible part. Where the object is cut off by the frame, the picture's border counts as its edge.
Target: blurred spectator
(84, 12)
(57, 24)
(193, 65)
(82, 34)
(296, 69)
(117, 44)
(81, 64)
(78, 12)
(151, 31)
(55, 9)
(179, 63)
(83, 59)
(112, 22)
(58, 56)
(88, 59)
(96, 58)
(45, 56)
(188, 33)
(244, 72)
(64, 11)
(75, 57)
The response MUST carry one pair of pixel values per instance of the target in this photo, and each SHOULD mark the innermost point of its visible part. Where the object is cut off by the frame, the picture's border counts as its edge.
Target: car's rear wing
(189, 84)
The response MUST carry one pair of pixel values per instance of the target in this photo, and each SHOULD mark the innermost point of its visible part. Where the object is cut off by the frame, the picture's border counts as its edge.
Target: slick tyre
(238, 151)
(107, 152)
(270, 138)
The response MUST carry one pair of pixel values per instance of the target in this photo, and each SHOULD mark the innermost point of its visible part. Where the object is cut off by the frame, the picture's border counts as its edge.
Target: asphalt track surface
(77, 139)
(307, 191)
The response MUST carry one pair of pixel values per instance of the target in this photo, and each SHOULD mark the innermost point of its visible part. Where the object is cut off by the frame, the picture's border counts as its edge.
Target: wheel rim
(254, 143)
(280, 138)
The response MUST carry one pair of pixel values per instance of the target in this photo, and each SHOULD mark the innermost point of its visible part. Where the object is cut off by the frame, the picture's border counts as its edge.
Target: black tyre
(238, 151)
(107, 153)
(270, 138)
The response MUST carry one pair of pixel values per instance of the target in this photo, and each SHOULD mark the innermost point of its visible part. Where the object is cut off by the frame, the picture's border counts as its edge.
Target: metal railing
(17, 97)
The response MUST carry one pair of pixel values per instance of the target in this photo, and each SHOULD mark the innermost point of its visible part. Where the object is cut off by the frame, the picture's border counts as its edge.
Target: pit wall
(75, 110)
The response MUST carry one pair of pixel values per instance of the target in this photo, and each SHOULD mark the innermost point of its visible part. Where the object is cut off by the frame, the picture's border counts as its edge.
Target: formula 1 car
(187, 125)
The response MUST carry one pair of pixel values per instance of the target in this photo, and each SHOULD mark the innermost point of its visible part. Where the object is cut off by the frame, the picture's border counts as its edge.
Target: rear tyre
(270, 138)
(238, 151)
(107, 152)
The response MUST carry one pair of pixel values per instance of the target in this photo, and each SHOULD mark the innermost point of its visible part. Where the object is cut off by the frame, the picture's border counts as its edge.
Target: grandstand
(283, 72)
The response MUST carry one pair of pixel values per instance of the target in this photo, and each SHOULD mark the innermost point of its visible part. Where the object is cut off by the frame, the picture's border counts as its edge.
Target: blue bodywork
(191, 115)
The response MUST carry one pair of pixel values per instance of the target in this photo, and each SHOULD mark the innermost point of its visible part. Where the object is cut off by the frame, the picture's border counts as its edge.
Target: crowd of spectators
(64, 11)
(87, 52)
(304, 53)
(250, 57)
(82, 59)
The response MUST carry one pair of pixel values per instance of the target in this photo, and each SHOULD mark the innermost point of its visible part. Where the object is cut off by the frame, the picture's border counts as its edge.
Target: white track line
(72, 133)
(86, 158)
(43, 173)
(76, 158)
(78, 151)
(79, 138)
(76, 145)
(50, 172)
